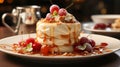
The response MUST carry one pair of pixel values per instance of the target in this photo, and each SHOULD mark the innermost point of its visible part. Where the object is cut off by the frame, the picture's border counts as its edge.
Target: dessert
(116, 25)
(58, 34)
(113, 26)
(100, 26)
(59, 29)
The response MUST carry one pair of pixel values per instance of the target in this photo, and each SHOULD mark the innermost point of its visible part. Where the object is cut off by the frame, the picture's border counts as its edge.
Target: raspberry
(54, 9)
(36, 47)
(30, 40)
(62, 12)
(48, 16)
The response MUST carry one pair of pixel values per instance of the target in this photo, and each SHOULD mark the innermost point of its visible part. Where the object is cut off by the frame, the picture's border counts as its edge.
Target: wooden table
(111, 60)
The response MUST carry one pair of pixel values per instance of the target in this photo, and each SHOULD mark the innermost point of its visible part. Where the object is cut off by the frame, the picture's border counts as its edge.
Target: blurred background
(81, 9)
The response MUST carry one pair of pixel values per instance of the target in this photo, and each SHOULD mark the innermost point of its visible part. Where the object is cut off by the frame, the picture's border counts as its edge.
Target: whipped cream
(56, 30)
(58, 34)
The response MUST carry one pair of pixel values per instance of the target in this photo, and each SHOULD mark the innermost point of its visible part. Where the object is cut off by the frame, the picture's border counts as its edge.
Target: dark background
(81, 9)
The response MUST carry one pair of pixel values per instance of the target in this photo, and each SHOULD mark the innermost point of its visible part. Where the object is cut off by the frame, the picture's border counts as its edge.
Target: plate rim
(53, 57)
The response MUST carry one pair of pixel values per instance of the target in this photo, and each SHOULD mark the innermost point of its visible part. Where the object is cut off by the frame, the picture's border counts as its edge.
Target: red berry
(100, 26)
(89, 47)
(84, 44)
(30, 40)
(92, 42)
(36, 47)
(83, 40)
(84, 47)
(48, 16)
(76, 49)
(45, 50)
(54, 9)
(62, 12)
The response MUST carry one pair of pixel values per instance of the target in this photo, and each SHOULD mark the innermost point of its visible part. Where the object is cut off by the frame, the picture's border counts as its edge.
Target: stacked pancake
(60, 31)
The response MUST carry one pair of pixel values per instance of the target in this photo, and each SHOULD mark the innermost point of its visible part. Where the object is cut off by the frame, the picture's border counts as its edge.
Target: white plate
(109, 32)
(114, 45)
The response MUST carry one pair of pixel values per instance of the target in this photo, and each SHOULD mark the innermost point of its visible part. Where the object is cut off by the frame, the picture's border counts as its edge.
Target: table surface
(6, 60)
